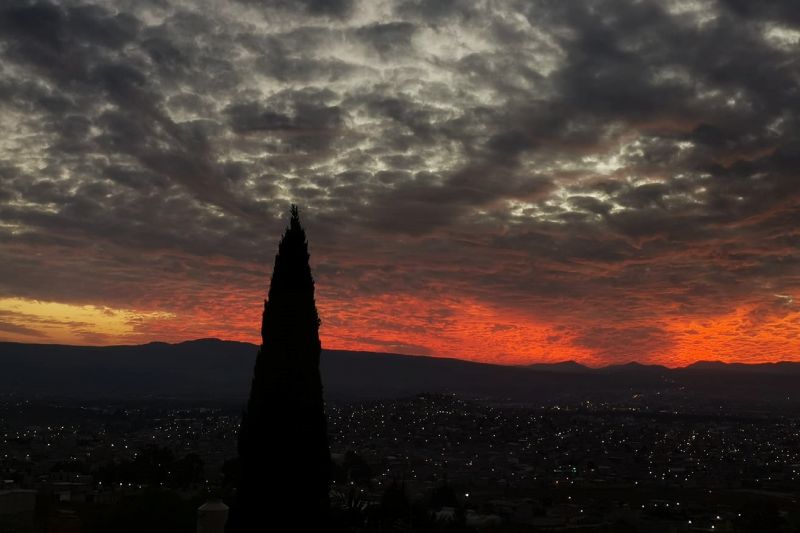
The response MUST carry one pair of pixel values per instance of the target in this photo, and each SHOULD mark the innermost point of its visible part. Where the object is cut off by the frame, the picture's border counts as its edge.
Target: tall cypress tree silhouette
(283, 442)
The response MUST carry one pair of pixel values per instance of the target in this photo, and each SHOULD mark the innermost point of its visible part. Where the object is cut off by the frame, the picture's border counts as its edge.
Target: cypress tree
(283, 442)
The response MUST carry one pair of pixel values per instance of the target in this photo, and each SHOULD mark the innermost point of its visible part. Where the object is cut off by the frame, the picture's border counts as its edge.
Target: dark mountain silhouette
(635, 368)
(781, 367)
(202, 368)
(563, 366)
(284, 458)
(211, 369)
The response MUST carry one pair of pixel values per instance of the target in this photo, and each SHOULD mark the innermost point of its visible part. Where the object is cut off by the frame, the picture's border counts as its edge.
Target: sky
(501, 181)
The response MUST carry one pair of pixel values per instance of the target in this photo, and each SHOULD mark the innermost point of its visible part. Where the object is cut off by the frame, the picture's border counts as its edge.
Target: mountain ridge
(567, 363)
(214, 368)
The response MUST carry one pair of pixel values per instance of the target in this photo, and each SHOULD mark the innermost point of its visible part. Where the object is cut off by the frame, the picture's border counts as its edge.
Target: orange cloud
(750, 333)
(439, 325)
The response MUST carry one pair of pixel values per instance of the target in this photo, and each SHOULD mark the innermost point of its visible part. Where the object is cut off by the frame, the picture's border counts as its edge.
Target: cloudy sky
(507, 181)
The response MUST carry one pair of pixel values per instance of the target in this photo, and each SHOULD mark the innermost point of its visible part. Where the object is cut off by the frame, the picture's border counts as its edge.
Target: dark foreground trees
(283, 446)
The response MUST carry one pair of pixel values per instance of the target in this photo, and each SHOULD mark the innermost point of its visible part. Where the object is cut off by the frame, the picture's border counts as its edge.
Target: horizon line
(428, 356)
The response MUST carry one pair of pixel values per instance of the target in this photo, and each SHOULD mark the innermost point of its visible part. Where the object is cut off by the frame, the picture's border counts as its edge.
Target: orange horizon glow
(450, 327)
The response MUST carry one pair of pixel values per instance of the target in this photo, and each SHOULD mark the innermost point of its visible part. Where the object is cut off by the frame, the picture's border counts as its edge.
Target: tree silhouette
(283, 446)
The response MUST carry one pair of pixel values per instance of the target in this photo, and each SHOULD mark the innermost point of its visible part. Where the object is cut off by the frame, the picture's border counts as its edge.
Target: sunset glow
(513, 183)
(444, 327)
(53, 322)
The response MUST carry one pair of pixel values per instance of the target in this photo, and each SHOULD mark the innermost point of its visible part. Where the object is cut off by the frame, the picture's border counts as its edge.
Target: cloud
(335, 8)
(22, 332)
(612, 175)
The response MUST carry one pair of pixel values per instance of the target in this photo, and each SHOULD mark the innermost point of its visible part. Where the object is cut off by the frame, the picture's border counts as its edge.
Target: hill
(215, 369)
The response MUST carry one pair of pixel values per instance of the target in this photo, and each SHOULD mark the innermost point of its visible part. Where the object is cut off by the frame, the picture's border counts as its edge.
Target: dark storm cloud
(335, 8)
(387, 39)
(781, 11)
(435, 10)
(554, 158)
(309, 127)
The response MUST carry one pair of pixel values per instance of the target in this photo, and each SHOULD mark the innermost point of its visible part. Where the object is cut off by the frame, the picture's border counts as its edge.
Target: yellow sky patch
(27, 320)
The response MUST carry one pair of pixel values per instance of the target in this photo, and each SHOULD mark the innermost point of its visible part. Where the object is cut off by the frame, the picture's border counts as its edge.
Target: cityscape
(451, 462)
(399, 266)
